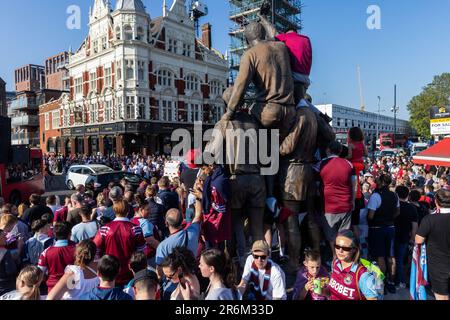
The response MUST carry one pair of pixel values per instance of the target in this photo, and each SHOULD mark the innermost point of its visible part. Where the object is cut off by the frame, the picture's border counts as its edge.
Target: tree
(436, 93)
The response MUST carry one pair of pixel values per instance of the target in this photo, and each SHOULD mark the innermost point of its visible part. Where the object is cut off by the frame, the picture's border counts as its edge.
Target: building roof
(132, 5)
(2, 81)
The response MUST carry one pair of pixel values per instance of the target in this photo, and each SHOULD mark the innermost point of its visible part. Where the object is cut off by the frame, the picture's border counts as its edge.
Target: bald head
(254, 32)
(174, 218)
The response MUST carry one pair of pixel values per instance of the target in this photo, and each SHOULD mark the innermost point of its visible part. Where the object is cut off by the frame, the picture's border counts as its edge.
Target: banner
(440, 120)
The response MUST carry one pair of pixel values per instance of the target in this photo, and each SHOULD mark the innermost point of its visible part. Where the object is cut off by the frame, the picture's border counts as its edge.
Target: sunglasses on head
(256, 257)
(346, 249)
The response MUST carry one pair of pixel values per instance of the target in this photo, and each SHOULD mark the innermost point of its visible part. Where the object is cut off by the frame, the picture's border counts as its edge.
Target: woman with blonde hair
(80, 277)
(27, 285)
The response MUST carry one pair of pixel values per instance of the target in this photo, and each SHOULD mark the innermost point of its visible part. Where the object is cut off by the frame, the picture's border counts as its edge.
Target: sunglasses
(171, 276)
(259, 257)
(346, 249)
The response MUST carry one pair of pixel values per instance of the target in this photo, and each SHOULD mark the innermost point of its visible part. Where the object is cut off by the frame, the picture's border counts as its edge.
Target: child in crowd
(312, 279)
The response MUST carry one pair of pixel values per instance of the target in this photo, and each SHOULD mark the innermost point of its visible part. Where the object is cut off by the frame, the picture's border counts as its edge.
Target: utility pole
(378, 118)
(395, 109)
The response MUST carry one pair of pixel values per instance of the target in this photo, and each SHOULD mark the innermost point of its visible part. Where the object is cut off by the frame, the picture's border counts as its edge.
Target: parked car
(388, 153)
(79, 174)
(100, 181)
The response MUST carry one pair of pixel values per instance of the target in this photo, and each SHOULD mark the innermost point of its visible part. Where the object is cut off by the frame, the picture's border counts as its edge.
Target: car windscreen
(102, 170)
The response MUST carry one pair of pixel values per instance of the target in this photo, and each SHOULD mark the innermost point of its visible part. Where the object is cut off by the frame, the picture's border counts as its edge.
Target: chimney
(206, 35)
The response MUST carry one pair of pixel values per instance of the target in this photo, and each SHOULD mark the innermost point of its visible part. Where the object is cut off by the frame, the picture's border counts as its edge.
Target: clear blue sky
(412, 46)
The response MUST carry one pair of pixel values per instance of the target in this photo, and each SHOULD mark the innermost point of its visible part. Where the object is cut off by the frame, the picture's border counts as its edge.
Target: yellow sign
(440, 120)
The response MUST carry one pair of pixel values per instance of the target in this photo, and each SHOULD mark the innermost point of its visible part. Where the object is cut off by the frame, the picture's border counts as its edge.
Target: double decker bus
(387, 141)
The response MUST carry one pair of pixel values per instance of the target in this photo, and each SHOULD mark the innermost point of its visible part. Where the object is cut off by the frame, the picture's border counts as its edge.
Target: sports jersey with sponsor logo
(120, 238)
(55, 259)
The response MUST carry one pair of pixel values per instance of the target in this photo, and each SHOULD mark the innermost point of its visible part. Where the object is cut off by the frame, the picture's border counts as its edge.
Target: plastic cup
(317, 286)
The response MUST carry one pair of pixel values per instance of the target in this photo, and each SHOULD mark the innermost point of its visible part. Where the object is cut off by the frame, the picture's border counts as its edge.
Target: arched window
(128, 32)
(118, 36)
(165, 78)
(192, 83)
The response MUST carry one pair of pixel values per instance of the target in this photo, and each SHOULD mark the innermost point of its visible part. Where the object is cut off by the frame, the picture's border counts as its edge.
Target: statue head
(254, 32)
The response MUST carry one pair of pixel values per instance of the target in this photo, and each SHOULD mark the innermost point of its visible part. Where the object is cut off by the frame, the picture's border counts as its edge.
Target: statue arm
(245, 76)
(270, 28)
(290, 142)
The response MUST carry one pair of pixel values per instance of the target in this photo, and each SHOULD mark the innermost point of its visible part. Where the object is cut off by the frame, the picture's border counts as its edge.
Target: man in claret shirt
(56, 258)
(120, 238)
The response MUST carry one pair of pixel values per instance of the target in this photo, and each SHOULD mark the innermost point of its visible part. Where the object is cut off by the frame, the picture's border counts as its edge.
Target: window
(172, 46)
(130, 112)
(140, 34)
(93, 114)
(108, 77)
(66, 117)
(164, 78)
(93, 81)
(95, 46)
(216, 88)
(192, 83)
(128, 32)
(195, 112)
(217, 113)
(119, 70)
(55, 119)
(118, 33)
(130, 69)
(104, 43)
(108, 110)
(141, 68)
(168, 111)
(186, 50)
(141, 108)
(47, 121)
(79, 85)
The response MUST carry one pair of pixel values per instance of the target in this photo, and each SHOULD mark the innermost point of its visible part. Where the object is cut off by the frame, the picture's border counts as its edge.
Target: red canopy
(437, 155)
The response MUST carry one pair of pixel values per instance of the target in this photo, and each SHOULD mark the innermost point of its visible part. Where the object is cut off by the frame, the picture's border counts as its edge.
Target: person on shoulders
(108, 270)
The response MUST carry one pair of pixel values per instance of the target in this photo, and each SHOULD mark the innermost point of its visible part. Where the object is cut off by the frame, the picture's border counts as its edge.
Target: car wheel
(15, 198)
(70, 185)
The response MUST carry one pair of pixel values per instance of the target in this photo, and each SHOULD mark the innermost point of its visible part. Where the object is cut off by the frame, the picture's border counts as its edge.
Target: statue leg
(238, 220)
(294, 235)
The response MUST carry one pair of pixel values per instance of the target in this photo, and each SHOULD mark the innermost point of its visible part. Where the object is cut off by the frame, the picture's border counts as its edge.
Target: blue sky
(411, 47)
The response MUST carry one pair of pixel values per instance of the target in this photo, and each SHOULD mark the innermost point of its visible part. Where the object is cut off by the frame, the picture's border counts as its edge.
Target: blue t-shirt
(84, 231)
(178, 240)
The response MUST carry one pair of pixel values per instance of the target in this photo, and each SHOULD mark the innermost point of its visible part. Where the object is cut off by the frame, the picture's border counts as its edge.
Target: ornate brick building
(136, 79)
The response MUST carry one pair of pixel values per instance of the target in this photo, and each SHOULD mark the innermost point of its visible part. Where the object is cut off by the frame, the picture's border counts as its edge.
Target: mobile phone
(182, 280)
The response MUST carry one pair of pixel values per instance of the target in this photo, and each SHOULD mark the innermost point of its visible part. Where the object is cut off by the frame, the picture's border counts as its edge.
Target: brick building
(56, 73)
(3, 107)
(50, 126)
(29, 78)
(135, 79)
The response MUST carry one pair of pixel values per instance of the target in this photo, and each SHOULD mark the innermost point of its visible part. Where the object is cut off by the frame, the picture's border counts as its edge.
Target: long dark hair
(222, 266)
(356, 134)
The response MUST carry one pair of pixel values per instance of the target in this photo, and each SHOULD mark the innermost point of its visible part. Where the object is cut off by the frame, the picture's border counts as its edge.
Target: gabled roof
(132, 5)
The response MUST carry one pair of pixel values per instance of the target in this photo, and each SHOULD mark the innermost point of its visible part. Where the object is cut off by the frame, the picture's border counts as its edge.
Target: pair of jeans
(400, 250)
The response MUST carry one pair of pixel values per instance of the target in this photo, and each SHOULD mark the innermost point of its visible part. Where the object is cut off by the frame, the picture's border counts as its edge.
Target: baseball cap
(261, 246)
(192, 156)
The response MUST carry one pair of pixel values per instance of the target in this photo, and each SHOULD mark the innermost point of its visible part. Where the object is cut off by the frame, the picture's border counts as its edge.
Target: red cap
(191, 156)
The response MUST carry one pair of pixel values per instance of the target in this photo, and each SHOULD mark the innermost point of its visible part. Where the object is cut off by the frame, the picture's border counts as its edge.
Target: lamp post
(394, 109)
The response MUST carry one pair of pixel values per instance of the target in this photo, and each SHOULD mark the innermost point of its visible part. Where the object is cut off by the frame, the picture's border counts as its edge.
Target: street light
(378, 117)
(395, 109)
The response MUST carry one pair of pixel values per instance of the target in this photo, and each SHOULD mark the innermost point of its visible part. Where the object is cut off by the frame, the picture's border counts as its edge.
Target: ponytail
(31, 277)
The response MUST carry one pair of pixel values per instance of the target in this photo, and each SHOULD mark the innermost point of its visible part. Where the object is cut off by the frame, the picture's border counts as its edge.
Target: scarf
(254, 281)
(219, 181)
(419, 273)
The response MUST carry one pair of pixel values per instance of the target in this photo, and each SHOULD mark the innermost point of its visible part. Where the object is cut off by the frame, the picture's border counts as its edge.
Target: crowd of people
(173, 239)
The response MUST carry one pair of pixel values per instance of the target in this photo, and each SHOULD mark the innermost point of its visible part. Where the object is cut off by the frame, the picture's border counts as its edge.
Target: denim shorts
(381, 241)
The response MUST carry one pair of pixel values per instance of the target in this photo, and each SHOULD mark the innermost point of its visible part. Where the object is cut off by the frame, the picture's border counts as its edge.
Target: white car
(79, 174)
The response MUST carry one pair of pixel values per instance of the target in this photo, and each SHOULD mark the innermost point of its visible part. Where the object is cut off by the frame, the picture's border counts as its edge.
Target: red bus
(15, 188)
(387, 141)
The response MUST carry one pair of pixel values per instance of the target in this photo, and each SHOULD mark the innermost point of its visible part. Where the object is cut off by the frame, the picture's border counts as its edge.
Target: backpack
(375, 271)
(34, 249)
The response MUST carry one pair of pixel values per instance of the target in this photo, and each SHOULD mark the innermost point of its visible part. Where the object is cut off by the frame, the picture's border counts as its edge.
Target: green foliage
(436, 93)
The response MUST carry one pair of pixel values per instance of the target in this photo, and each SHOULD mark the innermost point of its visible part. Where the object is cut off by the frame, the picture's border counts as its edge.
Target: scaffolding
(284, 14)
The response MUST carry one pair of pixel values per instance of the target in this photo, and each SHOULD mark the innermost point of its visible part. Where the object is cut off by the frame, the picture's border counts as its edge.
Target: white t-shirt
(277, 285)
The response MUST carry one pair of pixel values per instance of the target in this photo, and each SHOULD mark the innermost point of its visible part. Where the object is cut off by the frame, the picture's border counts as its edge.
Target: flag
(419, 274)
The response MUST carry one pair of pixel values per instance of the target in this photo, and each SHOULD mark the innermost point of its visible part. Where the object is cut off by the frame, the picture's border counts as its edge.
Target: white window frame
(47, 121)
(56, 120)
